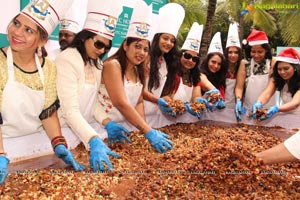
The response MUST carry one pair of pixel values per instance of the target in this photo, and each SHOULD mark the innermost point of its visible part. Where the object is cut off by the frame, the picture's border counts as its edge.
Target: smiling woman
(28, 99)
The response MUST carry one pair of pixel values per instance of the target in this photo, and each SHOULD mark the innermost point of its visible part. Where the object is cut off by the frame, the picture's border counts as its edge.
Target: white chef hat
(102, 17)
(193, 39)
(140, 21)
(72, 21)
(216, 44)
(171, 17)
(233, 36)
(46, 13)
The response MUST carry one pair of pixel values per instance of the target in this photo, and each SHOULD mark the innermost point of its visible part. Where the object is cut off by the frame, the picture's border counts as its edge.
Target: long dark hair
(266, 46)
(171, 59)
(194, 74)
(218, 79)
(237, 64)
(78, 43)
(293, 83)
(120, 55)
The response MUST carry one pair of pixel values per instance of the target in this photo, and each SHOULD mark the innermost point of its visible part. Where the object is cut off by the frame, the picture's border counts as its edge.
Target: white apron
(21, 105)
(286, 96)
(184, 92)
(256, 85)
(132, 91)
(229, 93)
(152, 108)
(87, 100)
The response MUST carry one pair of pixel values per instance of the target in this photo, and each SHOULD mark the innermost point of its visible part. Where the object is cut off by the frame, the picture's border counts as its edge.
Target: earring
(39, 51)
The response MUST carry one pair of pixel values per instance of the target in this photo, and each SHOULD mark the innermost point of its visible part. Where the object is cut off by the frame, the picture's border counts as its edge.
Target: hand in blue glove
(164, 106)
(159, 140)
(116, 132)
(214, 90)
(254, 108)
(220, 104)
(3, 168)
(98, 155)
(202, 100)
(271, 111)
(239, 110)
(63, 153)
(189, 110)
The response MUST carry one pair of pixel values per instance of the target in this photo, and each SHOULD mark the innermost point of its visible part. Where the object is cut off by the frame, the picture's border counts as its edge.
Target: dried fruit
(177, 105)
(198, 107)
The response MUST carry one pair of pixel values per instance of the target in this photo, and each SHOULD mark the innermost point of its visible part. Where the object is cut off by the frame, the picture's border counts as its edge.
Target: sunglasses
(100, 45)
(189, 56)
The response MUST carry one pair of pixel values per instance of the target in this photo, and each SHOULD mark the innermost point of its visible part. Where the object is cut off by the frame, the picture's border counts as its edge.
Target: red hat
(257, 37)
(289, 55)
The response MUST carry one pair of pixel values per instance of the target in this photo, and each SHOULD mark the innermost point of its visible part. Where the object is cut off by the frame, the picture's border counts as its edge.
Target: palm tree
(262, 16)
(207, 34)
(195, 11)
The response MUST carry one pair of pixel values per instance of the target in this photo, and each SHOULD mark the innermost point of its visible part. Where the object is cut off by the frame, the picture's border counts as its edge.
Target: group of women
(79, 88)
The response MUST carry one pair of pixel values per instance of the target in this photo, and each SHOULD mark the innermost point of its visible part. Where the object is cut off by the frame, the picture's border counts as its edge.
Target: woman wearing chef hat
(213, 73)
(285, 78)
(28, 90)
(233, 56)
(163, 60)
(123, 78)
(188, 87)
(79, 69)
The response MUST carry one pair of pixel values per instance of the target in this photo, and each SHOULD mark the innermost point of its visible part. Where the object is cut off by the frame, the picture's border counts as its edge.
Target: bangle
(58, 140)
(3, 153)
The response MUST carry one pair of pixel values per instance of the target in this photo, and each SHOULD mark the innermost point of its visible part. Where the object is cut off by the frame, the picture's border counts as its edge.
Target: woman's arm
(148, 96)
(52, 126)
(265, 96)
(70, 69)
(112, 78)
(140, 107)
(276, 154)
(292, 105)
(206, 85)
(196, 93)
(240, 80)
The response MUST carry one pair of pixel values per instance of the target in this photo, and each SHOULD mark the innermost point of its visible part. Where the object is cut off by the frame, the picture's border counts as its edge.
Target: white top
(70, 87)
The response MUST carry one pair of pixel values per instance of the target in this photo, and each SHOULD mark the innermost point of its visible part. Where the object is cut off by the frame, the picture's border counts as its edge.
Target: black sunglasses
(189, 56)
(100, 45)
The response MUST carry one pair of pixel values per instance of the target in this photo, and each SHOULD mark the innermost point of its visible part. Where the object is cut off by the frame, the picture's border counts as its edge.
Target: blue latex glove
(98, 155)
(63, 153)
(214, 90)
(220, 104)
(115, 132)
(254, 108)
(239, 110)
(189, 110)
(271, 111)
(164, 106)
(3, 168)
(159, 140)
(202, 100)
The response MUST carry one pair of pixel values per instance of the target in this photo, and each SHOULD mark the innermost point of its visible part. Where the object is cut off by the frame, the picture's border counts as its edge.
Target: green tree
(195, 11)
